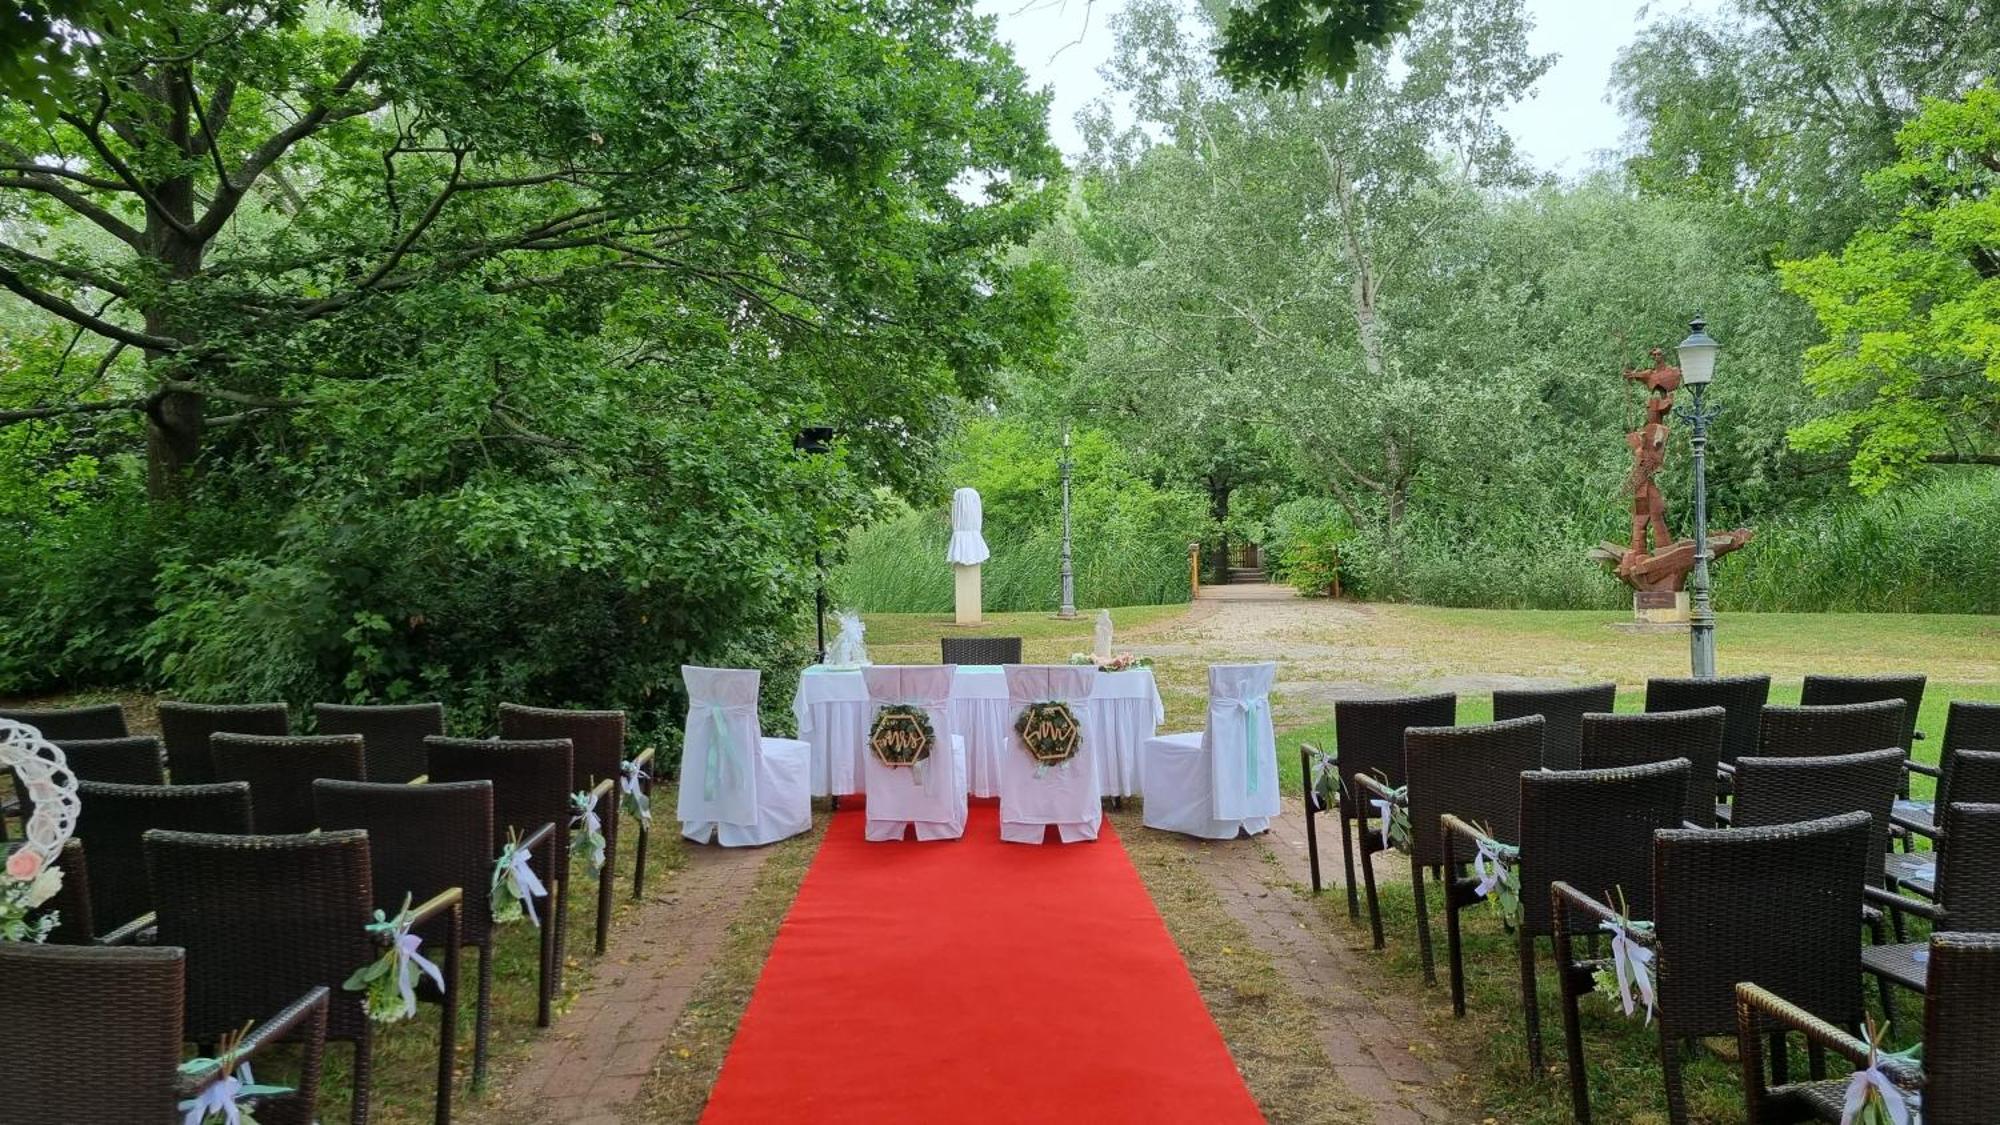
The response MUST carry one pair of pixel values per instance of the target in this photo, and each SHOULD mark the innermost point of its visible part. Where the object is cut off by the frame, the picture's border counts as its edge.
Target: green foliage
(1129, 543)
(1911, 310)
(1303, 543)
(1285, 44)
(43, 44)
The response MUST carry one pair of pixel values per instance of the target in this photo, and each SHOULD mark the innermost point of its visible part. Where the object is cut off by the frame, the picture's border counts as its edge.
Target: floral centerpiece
(1115, 662)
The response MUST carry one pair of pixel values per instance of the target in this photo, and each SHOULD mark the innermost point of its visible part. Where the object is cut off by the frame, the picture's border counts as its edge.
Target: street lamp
(815, 441)
(1697, 356)
(1068, 609)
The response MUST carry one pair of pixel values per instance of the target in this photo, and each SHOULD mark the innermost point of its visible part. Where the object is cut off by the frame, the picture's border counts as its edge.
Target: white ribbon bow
(527, 885)
(1872, 1078)
(1633, 962)
(592, 824)
(1387, 809)
(218, 1099)
(629, 781)
(407, 958)
(1489, 877)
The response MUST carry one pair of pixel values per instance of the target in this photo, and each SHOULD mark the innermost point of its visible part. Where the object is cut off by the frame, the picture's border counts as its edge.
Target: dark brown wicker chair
(1368, 736)
(115, 817)
(62, 724)
(531, 790)
(273, 916)
(1562, 709)
(599, 741)
(281, 772)
(1773, 905)
(980, 650)
(1967, 726)
(1967, 888)
(1825, 691)
(1742, 697)
(1615, 741)
(101, 1038)
(1829, 731)
(1975, 780)
(392, 736)
(1587, 828)
(1470, 772)
(1773, 791)
(187, 727)
(1960, 1084)
(424, 840)
(132, 760)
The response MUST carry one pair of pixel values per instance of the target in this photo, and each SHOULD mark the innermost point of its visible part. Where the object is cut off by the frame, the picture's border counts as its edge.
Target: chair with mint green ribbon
(738, 788)
(1223, 781)
(929, 795)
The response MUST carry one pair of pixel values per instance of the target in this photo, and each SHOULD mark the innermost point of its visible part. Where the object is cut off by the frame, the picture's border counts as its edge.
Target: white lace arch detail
(49, 790)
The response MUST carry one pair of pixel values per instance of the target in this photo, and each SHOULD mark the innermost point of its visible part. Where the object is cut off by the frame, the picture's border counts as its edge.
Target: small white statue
(1101, 646)
(847, 650)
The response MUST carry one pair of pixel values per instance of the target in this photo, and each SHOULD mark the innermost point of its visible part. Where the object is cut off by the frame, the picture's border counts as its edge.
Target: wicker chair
(187, 727)
(392, 736)
(1773, 905)
(233, 902)
(1967, 726)
(1967, 888)
(1975, 780)
(1772, 791)
(1615, 741)
(424, 840)
(1562, 709)
(599, 739)
(531, 789)
(980, 650)
(130, 760)
(1827, 731)
(1960, 1084)
(1824, 691)
(281, 771)
(1586, 828)
(1368, 734)
(1470, 772)
(1741, 697)
(62, 724)
(114, 818)
(101, 1036)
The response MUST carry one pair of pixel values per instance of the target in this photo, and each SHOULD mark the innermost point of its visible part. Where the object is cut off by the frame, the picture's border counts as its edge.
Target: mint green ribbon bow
(1251, 726)
(718, 758)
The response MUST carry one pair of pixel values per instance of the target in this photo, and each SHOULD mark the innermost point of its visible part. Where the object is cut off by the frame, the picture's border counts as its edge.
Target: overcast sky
(1562, 127)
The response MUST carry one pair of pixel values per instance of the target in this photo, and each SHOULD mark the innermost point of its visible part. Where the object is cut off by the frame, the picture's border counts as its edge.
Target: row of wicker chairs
(259, 918)
(1624, 807)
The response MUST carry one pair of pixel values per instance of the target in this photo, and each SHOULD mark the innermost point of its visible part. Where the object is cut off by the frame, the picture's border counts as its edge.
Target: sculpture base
(1660, 607)
(965, 584)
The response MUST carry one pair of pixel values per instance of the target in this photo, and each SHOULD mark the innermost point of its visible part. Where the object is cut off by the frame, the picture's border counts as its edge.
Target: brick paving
(591, 1064)
(1378, 1044)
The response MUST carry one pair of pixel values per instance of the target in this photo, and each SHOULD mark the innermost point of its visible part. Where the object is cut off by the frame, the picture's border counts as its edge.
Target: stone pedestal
(965, 586)
(1660, 607)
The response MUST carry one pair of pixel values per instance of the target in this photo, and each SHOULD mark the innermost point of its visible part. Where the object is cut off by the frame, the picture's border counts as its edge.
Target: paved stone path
(592, 1063)
(1378, 1044)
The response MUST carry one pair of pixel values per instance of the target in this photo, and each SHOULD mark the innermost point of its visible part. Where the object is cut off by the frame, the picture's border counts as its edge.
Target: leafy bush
(1129, 538)
(1303, 542)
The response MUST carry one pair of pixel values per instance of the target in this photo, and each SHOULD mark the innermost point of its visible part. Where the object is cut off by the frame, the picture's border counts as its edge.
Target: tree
(1287, 44)
(43, 43)
(1911, 308)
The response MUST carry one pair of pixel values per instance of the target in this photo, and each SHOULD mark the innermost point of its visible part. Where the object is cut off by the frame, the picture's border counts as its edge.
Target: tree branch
(74, 273)
(1963, 459)
(52, 303)
(231, 191)
(116, 227)
(8, 417)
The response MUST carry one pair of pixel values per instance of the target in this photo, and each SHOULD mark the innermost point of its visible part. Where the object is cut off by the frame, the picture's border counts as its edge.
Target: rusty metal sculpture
(1657, 570)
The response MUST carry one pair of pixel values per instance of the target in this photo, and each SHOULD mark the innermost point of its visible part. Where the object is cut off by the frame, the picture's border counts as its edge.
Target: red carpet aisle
(975, 981)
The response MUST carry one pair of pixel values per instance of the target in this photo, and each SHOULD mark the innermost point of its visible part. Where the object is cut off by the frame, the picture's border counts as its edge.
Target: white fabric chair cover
(968, 547)
(930, 796)
(1224, 780)
(1031, 798)
(738, 787)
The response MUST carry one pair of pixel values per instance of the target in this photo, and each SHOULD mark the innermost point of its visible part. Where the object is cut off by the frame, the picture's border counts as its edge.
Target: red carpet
(975, 981)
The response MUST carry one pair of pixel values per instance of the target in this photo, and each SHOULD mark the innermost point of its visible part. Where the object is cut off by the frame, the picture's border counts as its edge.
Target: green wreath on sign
(902, 735)
(1049, 731)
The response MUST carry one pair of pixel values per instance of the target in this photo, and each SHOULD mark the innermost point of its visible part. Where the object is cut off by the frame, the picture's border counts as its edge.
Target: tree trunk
(174, 420)
(1218, 509)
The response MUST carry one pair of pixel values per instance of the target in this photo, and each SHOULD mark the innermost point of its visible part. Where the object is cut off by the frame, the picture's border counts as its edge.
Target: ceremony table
(832, 709)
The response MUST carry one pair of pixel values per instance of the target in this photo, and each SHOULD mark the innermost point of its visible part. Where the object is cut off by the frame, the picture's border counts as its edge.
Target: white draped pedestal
(833, 712)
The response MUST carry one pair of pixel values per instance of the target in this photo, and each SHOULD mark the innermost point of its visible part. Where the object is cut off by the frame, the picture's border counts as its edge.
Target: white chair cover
(737, 786)
(1224, 780)
(1031, 798)
(968, 547)
(930, 795)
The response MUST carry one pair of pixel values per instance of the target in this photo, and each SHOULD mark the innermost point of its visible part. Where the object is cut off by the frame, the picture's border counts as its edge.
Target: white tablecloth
(1124, 710)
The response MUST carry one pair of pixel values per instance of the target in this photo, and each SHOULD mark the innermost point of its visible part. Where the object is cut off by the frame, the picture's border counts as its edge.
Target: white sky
(1562, 127)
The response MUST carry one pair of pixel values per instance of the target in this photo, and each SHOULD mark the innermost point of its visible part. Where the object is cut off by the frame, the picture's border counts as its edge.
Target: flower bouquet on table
(1115, 662)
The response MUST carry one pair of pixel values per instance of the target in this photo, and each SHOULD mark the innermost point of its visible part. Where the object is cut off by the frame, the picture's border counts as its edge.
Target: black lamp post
(1697, 356)
(815, 441)
(1068, 608)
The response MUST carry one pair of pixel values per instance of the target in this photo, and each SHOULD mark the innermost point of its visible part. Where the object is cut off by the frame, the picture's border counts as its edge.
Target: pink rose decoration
(24, 864)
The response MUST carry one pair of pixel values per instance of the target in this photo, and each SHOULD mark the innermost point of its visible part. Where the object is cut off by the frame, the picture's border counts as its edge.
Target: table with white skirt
(833, 712)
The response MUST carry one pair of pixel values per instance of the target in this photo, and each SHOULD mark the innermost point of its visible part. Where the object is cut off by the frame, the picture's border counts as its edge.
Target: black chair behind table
(106, 1035)
(1368, 739)
(114, 820)
(1562, 710)
(281, 771)
(979, 650)
(230, 901)
(422, 841)
(392, 735)
(186, 728)
(1615, 741)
